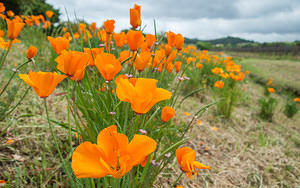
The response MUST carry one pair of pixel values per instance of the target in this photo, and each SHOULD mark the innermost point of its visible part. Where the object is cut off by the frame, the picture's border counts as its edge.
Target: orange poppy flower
(31, 52)
(102, 35)
(43, 83)
(270, 81)
(93, 26)
(159, 59)
(49, 13)
(186, 113)
(217, 70)
(10, 13)
(59, 44)
(179, 41)
(112, 155)
(108, 65)
(186, 158)
(2, 7)
(214, 128)
(219, 84)
(72, 63)
(199, 122)
(13, 28)
(109, 26)
(68, 36)
(135, 39)
(46, 25)
(271, 90)
(76, 35)
(82, 28)
(297, 99)
(179, 186)
(3, 182)
(171, 37)
(150, 39)
(2, 33)
(120, 39)
(177, 65)
(142, 60)
(135, 16)
(95, 52)
(7, 44)
(141, 93)
(167, 113)
(247, 72)
(170, 67)
(168, 49)
(199, 65)
(124, 55)
(9, 141)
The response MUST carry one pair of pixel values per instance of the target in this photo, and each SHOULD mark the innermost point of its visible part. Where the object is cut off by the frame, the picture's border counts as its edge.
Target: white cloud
(260, 20)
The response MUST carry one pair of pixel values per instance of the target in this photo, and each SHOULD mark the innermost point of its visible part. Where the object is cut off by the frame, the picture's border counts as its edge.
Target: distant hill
(228, 40)
(225, 41)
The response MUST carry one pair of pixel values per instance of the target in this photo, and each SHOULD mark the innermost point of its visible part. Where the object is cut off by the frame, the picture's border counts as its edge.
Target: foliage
(32, 7)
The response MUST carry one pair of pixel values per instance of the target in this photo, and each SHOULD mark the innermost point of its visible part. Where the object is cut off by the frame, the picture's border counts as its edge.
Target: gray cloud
(260, 20)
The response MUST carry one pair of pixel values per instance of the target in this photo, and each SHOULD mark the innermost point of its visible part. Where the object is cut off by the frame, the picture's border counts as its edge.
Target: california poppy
(49, 13)
(269, 81)
(217, 70)
(135, 16)
(120, 39)
(112, 155)
(13, 28)
(2, 7)
(109, 26)
(271, 90)
(186, 158)
(219, 84)
(179, 41)
(150, 39)
(167, 113)
(177, 65)
(31, 52)
(168, 49)
(199, 65)
(142, 60)
(297, 99)
(171, 37)
(93, 26)
(108, 65)
(10, 13)
(135, 39)
(59, 44)
(95, 52)
(169, 67)
(2, 33)
(43, 83)
(141, 93)
(72, 63)
(123, 56)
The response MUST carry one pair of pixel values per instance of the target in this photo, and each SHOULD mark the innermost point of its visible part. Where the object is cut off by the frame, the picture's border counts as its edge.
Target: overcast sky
(259, 20)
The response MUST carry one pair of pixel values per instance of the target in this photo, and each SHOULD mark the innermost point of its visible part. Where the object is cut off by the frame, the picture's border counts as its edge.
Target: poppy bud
(31, 52)
(167, 113)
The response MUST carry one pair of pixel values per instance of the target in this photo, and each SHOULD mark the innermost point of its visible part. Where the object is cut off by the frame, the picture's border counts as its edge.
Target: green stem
(178, 178)
(5, 55)
(12, 76)
(56, 143)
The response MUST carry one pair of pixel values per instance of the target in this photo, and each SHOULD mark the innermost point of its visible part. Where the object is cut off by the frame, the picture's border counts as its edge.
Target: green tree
(32, 7)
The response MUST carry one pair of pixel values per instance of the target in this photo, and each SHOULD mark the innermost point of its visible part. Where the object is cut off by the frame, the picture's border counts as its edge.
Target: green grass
(285, 73)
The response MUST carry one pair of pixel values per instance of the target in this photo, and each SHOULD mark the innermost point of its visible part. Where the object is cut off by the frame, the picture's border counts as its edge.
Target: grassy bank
(285, 73)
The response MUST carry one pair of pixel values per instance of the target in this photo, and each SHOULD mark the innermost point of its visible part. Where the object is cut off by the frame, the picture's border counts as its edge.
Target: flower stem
(178, 178)
(56, 143)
